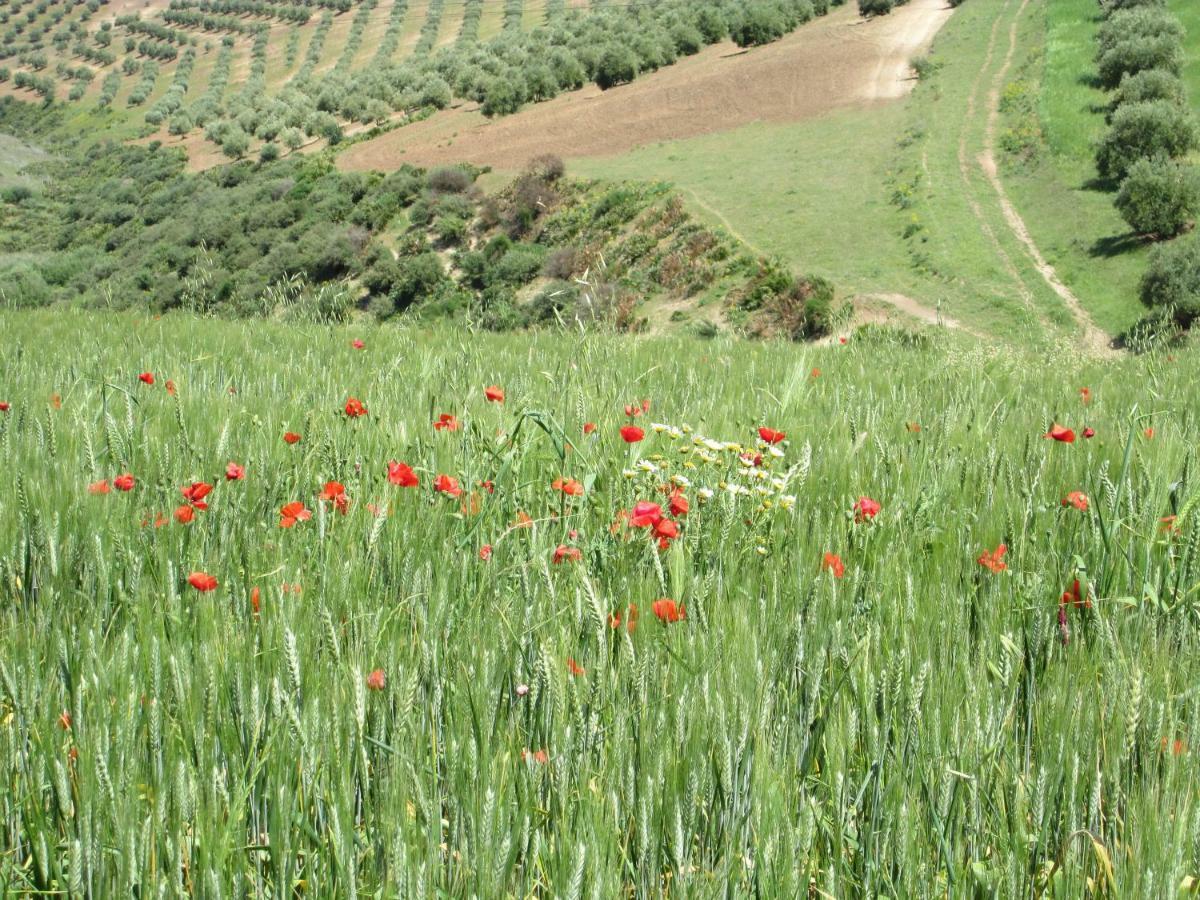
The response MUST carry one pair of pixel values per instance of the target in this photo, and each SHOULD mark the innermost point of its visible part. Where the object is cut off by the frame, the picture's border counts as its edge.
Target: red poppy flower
(568, 486)
(666, 531)
(865, 508)
(771, 436)
(540, 756)
(589, 427)
(124, 482)
(645, 514)
(5, 406)
(1060, 434)
(668, 611)
(1074, 596)
(184, 514)
(335, 492)
(1178, 746)
(146, 378)
(489, 486)
(446, 422)
(56, 401)
(1089, 432)
(292, 513)
(255, 599)
(402, 475)
(485, 552)
(202, 582)
(234, 472)
(357, 344)
(160, 520)
(914, 427)
(833, 563)
(444, 484)
(563, 553)
(678, 504)
(993, 560)
(1085, 394)
(575, 668)
(1077, 499)
(99, 487)
(631, 615)
(376, 680)
(631, 434)
(195, 493)
(64, 720)
(355, 408)
(170, 387)
(290, 437)
(815, 373)
(842, 340)
(1149, 432)
(493, 394)
(633, 410)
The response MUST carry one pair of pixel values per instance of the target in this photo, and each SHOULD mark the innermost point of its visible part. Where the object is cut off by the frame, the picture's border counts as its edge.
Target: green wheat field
(773, 648)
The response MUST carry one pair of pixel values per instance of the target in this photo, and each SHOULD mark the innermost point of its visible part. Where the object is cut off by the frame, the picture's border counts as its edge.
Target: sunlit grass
(918, 727)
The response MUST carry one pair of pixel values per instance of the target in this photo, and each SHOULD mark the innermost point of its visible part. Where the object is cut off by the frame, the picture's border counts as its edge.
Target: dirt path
(1096, 338)
(964, 169)
(918, 311)
(837, 61)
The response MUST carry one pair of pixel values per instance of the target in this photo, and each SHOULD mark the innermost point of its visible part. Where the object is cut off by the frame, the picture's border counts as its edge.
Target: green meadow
(899, 643)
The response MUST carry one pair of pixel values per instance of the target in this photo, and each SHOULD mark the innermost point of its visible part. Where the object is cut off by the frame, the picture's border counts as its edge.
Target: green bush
(1113, 6)
(1139, 22)
(1139, 54)
(617, 65)
(759, 24)
(1148, 86)
(1172, 280)
(875, 7)
(1159, 198)
(520, 265)
(22, 285)
(1152, 130)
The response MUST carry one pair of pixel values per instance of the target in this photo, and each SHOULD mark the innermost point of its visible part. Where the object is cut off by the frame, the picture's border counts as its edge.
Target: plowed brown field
(837, 61)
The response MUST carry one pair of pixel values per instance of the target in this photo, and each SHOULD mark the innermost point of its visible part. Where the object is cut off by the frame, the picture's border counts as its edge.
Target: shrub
(500, 98)
(21, 285)
(617, 65)
(1146, 21)
(1138, 54)
(450, 180)
(875, 7)
(1172, 280)
(1159, 197)
(520, 265)
(1148, 86)
(450, 229)
(760, 24)
(1112, 6)
(416, 277)
(269, 152)
(549, 167)
(1145, 131)
(235, 143)
(560, 264)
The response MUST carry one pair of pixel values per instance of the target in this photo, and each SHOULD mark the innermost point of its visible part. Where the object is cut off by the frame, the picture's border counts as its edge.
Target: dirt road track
(837, 61)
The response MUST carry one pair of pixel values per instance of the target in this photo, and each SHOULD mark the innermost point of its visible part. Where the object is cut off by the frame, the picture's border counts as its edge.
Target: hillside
(599, 449)
(226, 78)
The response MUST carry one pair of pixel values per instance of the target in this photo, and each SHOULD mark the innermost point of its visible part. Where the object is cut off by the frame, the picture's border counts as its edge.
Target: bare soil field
(840, 60)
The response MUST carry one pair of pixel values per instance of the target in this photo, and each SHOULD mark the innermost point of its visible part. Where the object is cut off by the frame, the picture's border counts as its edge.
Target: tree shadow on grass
(1116, 245)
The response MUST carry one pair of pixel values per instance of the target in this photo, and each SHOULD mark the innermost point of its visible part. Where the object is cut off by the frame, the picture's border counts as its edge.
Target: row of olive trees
(1152, 130)
(883, 7)
(608, 46)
